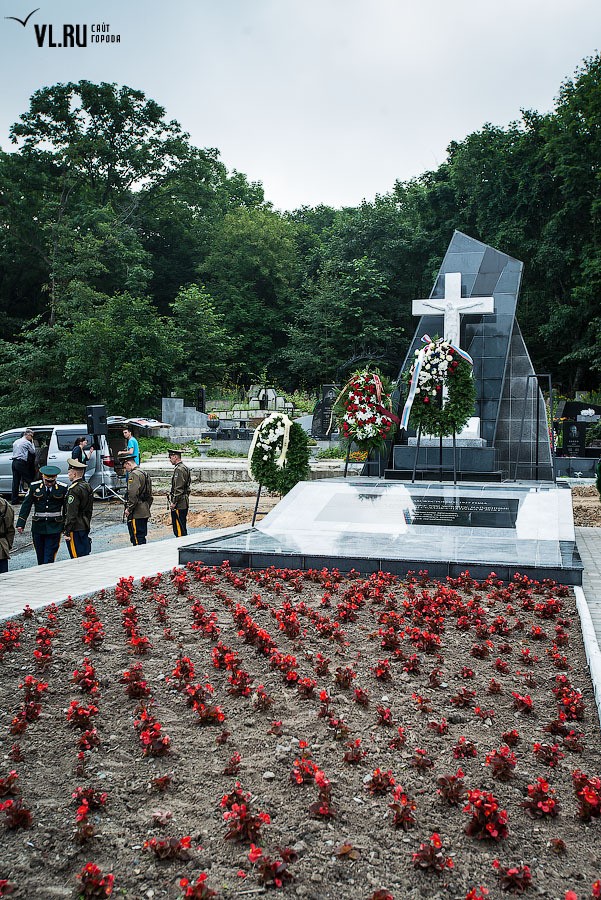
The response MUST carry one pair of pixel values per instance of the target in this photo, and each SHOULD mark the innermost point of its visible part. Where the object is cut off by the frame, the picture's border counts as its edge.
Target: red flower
(254, 853)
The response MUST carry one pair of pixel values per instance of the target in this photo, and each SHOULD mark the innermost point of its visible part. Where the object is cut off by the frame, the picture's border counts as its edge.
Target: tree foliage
(113, 226)
(207, 347)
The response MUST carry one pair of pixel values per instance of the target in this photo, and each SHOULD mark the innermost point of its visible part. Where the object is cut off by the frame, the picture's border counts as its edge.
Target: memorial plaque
(463, 512)
(574, 438)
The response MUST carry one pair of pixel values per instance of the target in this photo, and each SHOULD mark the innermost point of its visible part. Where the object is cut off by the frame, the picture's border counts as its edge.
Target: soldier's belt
(47, 515)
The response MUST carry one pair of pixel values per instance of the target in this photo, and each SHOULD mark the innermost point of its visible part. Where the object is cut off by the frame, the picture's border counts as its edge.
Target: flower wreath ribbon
(272, 417)
(427, 340)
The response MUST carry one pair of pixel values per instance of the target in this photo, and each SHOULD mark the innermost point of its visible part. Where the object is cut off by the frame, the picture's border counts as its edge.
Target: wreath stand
(257, 511)
(440, 466)
(367, 462)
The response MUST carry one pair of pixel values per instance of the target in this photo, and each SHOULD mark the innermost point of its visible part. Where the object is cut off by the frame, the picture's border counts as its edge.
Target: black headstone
(322, 414)
(574, 438)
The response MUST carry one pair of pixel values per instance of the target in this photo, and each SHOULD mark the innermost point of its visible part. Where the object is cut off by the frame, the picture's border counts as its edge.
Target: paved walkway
(589, 547)
(42, 585)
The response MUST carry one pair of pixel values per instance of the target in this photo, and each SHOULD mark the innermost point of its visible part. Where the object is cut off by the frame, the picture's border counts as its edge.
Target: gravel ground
(213, 508)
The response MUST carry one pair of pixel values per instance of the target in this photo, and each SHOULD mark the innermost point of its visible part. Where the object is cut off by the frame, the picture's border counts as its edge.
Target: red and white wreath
(366, 418)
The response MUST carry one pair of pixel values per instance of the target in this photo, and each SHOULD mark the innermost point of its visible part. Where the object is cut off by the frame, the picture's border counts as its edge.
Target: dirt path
(587, 506)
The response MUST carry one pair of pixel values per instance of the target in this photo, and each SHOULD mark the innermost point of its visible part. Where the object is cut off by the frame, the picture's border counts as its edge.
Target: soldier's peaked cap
(130, 456)
(76, 464)
(50, 471)
(174, 451)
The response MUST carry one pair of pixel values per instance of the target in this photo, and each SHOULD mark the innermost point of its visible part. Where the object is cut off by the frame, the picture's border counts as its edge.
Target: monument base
(372, 525)
(475, 462)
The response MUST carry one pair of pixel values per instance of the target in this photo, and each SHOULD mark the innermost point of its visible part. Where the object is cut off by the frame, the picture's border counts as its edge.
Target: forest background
(134, 265)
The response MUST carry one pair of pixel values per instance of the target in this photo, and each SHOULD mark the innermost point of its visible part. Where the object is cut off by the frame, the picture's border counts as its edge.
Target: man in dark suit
(47, 498)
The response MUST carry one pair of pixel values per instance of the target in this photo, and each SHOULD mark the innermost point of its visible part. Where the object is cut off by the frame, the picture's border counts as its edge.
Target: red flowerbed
(206, 733)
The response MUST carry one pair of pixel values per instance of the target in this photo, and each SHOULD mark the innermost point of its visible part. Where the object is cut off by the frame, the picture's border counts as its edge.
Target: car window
(7, 441)
(42, 438)
(116, 440)
(66, 439)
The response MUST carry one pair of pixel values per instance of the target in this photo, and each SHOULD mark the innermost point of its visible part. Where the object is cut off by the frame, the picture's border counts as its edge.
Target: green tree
(344, 316)
(24, 260)
(85, 152)
(139, 353)
(251, 272)
(32, 373)
(206, 345)
(176, 219)
(122, 354)
(108, 138)
(573, 152)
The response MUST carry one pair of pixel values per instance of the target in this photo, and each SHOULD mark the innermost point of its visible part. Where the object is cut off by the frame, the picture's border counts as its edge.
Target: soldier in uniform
(79, 504)
(138, 500)
(7, 533)
(180, 492)
(47, 498)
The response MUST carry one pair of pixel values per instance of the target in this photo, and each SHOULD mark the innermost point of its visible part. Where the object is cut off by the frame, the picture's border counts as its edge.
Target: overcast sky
(323, 101)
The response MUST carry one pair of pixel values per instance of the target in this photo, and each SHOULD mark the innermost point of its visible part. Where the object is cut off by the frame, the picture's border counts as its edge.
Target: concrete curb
(236, 470)
(591, 646)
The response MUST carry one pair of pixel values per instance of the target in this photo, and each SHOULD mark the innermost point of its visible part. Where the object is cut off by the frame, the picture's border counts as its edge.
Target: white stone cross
(452, 305)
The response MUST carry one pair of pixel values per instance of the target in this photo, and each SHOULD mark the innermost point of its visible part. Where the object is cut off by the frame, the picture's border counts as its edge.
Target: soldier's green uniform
(137, 504)
(179, 495)
(79, 505)
(47, 500)
(7, 533)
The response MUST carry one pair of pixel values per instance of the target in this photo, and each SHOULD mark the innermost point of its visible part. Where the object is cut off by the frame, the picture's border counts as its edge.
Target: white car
(104, 472)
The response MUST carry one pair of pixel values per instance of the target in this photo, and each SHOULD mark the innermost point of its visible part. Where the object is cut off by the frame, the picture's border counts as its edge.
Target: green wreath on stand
(439, 365)
(279, 454)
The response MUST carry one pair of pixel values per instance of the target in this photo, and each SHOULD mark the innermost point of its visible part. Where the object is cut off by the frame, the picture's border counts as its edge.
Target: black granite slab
(369, 524)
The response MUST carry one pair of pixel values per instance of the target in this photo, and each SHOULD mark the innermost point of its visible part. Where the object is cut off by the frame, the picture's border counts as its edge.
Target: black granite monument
(514, 437)
(371, 524)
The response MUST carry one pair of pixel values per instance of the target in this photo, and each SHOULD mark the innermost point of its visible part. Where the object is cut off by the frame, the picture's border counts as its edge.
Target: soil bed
(587, 507)
(431, 633)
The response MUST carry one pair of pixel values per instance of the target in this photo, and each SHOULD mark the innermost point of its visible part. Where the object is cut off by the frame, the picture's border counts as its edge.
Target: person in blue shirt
(133, 448)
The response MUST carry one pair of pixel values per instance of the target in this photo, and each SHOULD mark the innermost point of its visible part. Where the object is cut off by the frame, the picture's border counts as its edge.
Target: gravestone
(509, 403)
(574, 438)
(573, 421)
(322, 414)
